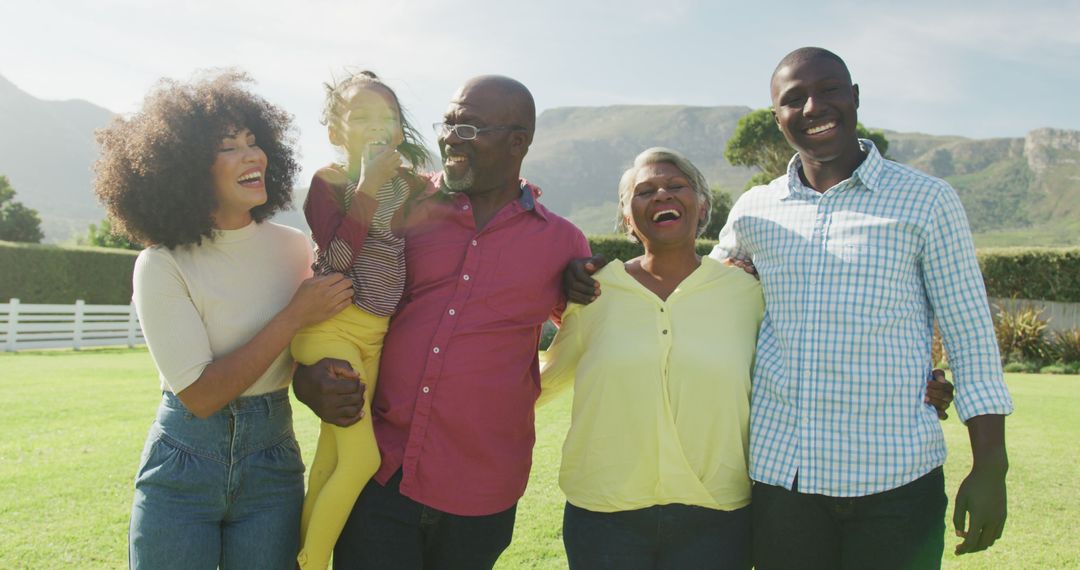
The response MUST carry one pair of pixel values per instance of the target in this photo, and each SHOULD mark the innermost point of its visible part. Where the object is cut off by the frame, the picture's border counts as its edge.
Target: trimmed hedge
(1049, 274)
(53, 274)
(618, 247)
(50, 274)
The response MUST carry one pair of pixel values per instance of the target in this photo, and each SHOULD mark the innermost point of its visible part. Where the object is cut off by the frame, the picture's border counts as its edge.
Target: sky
(977, 69)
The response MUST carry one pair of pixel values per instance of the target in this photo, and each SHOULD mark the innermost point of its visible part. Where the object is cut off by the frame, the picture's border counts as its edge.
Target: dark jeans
(389, 531)
(665, 536)
(899, 528)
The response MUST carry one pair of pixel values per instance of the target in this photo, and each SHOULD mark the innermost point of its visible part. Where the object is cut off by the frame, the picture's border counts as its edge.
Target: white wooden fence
(25, 326)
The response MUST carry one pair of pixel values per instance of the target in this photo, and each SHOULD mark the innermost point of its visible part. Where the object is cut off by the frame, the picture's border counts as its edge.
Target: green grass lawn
(74, 425)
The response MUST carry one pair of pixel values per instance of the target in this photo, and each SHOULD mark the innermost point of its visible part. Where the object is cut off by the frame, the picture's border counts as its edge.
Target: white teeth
(250, 177)
(820, 128)
(674, 213)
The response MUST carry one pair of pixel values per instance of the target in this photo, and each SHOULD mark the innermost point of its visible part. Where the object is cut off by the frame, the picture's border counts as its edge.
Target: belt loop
(268, 399)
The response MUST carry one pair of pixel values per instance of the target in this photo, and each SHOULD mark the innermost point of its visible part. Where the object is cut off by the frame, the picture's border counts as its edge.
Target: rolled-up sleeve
(957, 296)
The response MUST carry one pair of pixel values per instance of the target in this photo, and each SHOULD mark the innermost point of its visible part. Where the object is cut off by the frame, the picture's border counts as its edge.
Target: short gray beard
(459, 184)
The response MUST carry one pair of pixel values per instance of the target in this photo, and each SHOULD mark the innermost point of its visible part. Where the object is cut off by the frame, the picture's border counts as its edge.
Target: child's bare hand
(378, 168)
(320, 298)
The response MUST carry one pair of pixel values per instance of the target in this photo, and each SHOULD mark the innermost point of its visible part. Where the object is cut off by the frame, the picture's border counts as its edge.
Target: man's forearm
(987, 435)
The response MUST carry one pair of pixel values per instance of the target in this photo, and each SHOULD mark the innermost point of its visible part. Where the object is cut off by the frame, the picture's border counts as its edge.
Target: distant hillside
(1017, 191)
(579, 153)
(47, 149)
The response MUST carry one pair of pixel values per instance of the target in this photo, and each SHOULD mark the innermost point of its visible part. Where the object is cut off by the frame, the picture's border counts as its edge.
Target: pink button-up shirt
(459, 375)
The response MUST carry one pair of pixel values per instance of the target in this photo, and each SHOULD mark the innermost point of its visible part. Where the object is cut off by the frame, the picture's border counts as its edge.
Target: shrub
(1020, 333)
(1054, 369)
(619, 247)
(547, 334)
(1065, 345)
(51, 274)
(937, 350)
(1021, 366)
(1050, 274)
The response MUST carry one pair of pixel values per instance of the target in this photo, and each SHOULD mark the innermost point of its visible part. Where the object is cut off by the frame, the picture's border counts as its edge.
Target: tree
(104, 236)
(17, 222)
(757, 142)
(721, 207)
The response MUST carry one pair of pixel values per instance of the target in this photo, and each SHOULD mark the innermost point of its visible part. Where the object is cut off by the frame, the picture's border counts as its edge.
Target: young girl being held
(355, 210)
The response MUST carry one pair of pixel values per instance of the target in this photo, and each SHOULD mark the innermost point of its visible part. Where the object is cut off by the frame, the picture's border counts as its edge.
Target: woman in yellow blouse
(655, 463)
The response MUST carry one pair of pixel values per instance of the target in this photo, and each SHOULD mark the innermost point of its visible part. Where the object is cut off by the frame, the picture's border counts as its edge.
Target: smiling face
(238, 175)
(815, 106)
(663, 207)
(368, 116)
(493, 159)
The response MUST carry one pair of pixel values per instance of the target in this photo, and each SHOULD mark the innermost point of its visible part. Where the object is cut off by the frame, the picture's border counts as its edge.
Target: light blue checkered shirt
(853, 279)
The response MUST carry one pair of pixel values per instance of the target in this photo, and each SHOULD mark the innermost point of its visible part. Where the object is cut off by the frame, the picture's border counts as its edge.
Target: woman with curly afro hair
(220, 292)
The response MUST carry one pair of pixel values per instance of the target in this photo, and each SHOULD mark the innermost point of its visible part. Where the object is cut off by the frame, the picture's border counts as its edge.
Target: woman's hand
(744, 264)
(319, 298)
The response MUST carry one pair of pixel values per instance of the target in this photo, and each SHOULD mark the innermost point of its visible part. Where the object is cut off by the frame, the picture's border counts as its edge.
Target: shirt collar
(868, 175)
(527, 199)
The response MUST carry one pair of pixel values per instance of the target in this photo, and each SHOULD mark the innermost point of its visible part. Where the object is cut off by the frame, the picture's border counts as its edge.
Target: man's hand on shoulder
(332, 389)
(578, 284)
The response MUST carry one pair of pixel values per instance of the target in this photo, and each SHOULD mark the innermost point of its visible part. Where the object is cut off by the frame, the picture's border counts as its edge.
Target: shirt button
(664, 331)
(465, 207)
(452, 312)
(426, 389)
(435, 350)
(474, 242)
(465, 277)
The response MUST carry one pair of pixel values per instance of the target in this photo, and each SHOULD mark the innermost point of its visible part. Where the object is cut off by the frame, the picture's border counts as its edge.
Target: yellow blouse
(661, 406)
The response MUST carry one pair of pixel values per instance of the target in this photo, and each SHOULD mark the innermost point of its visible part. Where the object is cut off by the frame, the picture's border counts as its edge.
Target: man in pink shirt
(459, 376)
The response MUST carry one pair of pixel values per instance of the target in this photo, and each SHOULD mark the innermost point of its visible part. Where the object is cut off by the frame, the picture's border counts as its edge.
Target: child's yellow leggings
(345, 458)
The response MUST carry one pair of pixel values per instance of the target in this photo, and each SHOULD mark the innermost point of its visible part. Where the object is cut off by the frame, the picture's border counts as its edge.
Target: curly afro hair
(153, 176)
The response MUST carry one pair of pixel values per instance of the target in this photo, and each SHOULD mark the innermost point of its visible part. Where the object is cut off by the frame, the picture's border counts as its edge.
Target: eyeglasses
(469, 132)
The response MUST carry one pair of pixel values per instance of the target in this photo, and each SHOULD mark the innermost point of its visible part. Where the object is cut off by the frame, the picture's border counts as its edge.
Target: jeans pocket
(280, 463)
(156, 459)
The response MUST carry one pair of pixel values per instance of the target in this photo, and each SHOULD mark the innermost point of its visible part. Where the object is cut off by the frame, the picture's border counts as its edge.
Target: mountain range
(1017, 191)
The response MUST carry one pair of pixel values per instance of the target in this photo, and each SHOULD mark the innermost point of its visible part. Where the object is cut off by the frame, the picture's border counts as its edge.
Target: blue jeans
(900, 528)
(662, 536)
(388, 530)
(222, 491)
